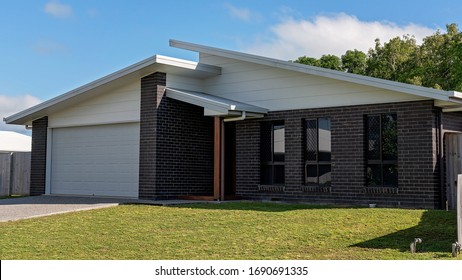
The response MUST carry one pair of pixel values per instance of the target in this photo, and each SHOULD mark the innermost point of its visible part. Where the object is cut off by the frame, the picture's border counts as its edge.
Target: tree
(436, 63)
(307, 60)
(354, 62)
(326, 61)
(440, 59)
(331, 62)
(392, 61)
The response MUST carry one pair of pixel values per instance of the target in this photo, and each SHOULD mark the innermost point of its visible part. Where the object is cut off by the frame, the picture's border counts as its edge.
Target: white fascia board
(187, 64)
(317, 71)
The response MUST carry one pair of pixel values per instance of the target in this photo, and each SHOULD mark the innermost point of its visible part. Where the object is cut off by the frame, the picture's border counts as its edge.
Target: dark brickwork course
(418, 183)
(176, 145)
(38, 156)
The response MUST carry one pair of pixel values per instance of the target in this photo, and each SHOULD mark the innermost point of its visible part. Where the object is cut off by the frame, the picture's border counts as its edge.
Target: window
(318, 152)
(272, 153)
(382, 150)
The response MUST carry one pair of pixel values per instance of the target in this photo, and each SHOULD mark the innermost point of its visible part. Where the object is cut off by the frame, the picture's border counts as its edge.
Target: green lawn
(230, 231)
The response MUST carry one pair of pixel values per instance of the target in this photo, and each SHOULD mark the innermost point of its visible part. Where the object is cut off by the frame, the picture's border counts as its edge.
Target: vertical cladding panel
(451, 123)
(418, 184)
(38, 156)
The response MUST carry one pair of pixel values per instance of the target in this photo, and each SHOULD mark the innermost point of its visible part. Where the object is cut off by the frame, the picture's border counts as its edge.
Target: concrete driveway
(12, 209)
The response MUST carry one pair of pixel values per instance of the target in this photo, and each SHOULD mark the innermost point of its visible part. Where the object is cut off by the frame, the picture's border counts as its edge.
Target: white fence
(15, 173)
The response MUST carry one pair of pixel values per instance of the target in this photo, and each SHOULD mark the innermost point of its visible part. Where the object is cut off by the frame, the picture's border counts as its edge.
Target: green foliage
(326, 61)
(436, 63)
(238, 230)
(354, 62)
(307, 60)
(331, 62)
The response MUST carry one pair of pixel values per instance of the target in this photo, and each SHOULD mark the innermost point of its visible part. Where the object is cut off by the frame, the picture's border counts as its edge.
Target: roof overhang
(452, 97)
(134, 72)
(214, 105)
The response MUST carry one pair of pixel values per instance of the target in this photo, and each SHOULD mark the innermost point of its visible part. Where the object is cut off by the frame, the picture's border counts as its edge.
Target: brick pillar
(38, 156)
(152, 91)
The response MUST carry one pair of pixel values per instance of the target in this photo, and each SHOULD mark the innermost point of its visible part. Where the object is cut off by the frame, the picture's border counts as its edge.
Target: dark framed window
(382, 150)
(318, 150)
(272, 153)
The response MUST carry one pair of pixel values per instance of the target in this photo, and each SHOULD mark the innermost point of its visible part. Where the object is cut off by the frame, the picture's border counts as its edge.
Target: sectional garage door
(95, 160)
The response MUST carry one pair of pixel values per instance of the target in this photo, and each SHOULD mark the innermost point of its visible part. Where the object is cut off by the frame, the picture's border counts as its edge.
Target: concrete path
(12, 209)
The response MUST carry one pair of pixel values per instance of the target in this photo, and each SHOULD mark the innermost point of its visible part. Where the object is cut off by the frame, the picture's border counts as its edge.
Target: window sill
(381, 190)
(271, 188)
(316, 189)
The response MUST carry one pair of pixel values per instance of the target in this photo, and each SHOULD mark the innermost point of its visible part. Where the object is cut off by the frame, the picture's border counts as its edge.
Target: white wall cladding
(182, 82)
(97, 160)
(116, 106)
(278, 89)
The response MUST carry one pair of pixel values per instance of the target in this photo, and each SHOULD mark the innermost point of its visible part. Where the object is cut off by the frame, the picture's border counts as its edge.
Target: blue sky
(48, 47)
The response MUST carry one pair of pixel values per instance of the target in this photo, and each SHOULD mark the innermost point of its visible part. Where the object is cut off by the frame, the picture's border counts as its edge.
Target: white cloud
(239, 13)
(57, 9)
(10, 105)
(336, 34)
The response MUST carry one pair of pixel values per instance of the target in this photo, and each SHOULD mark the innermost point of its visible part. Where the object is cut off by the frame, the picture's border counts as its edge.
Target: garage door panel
(96, 160)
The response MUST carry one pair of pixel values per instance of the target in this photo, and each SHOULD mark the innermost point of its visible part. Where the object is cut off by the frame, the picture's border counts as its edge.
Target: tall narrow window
(318, 152)
(382, 150)
(272, 153)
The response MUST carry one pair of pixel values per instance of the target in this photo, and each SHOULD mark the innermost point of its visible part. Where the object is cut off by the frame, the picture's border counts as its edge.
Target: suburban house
(11, 141)
(15, 155)
(240, 125)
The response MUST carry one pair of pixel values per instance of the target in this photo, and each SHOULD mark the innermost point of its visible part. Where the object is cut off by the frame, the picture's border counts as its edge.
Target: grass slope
(230, 231)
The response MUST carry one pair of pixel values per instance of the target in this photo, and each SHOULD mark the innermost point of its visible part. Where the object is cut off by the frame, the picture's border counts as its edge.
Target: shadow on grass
(437, 229)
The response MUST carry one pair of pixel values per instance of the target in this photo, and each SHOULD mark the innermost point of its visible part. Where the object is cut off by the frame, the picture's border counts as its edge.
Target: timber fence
(15, 173)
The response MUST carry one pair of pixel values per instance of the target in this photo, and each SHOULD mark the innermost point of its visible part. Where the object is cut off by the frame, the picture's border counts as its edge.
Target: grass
(11, 196)
(231, 231)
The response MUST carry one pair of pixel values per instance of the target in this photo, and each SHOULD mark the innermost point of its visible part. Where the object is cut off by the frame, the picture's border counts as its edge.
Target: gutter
(240, 118)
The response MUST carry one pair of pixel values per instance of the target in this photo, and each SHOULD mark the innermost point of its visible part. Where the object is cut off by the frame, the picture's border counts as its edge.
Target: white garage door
(96, 160)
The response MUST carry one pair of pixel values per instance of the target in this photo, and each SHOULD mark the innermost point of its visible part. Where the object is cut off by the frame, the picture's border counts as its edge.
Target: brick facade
(152, 86)
(38, 156)
(176, 145)
(418, 168)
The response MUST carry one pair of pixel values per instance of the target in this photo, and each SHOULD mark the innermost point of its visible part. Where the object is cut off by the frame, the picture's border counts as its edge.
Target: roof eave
(139, 69)
(318, 71)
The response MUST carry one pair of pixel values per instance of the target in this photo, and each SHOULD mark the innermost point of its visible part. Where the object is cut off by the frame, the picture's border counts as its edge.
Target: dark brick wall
(176, 145)
(418, 185)
(38, 156)
(152, 86)
(184, 157)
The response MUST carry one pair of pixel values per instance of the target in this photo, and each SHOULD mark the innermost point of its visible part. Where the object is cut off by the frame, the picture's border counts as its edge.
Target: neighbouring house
(11, 141)
(236, 124)
(15, 155)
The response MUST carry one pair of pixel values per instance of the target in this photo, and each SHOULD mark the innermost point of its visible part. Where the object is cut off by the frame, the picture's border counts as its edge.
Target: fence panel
(5, 171)
(20, 174)
(15, 173)
(459, 208)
